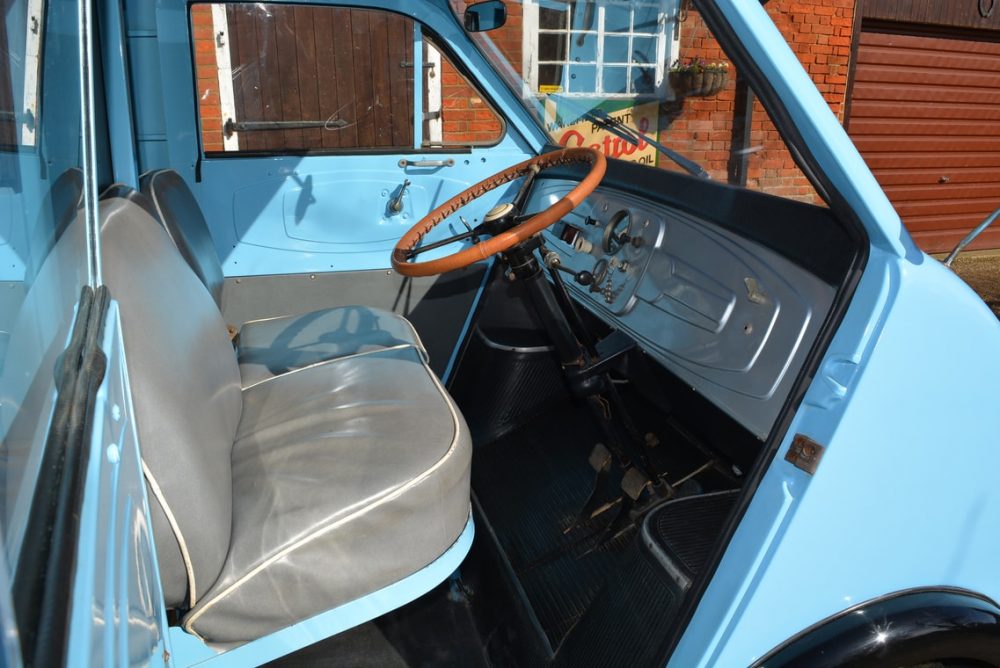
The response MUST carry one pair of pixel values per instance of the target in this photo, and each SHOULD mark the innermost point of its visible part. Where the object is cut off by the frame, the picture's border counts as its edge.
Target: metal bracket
(805, 453)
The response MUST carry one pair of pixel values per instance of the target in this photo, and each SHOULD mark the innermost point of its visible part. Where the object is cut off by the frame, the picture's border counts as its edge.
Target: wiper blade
(616, 127)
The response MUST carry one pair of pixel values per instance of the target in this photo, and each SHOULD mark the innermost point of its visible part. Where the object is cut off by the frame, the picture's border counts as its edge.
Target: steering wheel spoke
(524, 227)
(473, 234)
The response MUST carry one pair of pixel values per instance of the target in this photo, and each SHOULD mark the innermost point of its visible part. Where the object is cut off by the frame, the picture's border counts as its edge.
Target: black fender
(904, 628)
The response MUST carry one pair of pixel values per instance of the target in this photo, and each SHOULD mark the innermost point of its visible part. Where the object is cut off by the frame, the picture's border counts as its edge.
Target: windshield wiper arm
(616, 127)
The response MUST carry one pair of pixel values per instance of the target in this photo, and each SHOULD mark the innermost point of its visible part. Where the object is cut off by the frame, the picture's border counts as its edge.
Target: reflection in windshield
(42, 251)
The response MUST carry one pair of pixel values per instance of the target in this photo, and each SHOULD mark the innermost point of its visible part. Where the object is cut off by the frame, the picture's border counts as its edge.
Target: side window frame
(425, 128)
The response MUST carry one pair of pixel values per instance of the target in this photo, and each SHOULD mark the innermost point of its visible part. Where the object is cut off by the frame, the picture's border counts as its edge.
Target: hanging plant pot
(704, 83)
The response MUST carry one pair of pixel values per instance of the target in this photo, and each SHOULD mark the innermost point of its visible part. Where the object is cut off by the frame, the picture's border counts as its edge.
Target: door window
(277, 78)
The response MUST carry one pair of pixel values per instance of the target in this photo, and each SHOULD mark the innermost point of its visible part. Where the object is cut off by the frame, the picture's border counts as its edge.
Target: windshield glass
(644, 81)
(43, 252)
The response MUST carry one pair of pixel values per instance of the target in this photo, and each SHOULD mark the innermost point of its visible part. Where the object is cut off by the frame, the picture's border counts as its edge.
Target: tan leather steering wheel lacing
(511, 237)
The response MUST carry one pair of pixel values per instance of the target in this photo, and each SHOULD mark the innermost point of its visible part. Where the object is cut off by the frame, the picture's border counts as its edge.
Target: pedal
(600, 460)
(634, 483)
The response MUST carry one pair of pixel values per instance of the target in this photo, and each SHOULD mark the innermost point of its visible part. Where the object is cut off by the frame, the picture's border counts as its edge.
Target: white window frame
(667, 46)
(32, 71)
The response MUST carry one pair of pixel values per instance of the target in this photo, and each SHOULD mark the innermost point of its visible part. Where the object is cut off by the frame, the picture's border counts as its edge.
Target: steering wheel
(407, 248)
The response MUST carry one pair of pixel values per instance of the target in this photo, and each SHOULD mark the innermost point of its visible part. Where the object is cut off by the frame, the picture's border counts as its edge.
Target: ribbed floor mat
(635, 610)
(686, 529)
(531, 484)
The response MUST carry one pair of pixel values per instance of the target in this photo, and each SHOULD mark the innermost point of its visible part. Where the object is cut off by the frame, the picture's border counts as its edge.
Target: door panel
(330, 213)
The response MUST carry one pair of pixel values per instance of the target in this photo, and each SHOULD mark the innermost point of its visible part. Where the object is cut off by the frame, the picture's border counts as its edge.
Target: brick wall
(209, 107)
(465, 118)
(819, 32)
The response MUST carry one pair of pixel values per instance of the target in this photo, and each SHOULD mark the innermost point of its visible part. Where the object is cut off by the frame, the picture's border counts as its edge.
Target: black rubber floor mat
(435, 631)
(686, 529)
(532, 484)
(363, 646)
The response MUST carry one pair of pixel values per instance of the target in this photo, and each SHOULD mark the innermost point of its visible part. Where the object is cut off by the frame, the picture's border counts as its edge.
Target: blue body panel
(116, 559)
(909, 424)
(116, 89)
(909, 444)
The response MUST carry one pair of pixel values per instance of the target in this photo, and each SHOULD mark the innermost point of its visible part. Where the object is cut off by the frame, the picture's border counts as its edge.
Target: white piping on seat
(185, 555)
(416, 337)
(374, 351)
(390, 496)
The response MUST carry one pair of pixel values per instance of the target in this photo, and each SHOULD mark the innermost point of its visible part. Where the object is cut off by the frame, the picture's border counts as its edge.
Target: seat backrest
(182, 218)
(186, 393)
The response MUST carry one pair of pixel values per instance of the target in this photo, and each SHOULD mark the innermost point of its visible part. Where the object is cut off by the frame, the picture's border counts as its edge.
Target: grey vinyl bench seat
(278, 499)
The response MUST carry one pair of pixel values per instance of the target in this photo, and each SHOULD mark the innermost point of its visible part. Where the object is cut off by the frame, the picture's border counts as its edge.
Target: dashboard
(726, 314)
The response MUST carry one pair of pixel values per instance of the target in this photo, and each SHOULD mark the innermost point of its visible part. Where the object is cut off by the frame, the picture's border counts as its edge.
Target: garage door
(925, 114)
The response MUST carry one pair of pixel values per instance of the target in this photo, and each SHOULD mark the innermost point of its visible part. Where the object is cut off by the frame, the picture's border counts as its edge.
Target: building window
(610, 48)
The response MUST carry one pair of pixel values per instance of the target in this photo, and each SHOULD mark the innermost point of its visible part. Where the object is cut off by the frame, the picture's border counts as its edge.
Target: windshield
(644, 81)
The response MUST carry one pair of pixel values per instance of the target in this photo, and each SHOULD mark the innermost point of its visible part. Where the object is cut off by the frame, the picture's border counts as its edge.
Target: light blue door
(336, 130)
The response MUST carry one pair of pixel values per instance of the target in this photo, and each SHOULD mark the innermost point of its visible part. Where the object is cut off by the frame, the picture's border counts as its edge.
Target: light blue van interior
(235, 430)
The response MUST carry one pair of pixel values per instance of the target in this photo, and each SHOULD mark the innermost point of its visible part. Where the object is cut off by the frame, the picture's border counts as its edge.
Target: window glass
(455, 112)
(652, 66)
(43, 263)
(294, 78)
(606, 48)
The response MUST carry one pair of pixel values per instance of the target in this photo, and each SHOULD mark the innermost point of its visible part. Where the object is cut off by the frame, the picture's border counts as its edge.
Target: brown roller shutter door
(925, 114)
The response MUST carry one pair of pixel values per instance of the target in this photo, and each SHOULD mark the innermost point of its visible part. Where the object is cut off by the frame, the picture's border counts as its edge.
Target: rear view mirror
(484, 16)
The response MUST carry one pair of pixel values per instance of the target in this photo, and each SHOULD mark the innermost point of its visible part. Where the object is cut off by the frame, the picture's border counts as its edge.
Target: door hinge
(805, 453)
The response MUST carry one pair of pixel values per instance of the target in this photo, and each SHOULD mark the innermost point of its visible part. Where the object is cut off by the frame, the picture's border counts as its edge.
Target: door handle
(426, 163)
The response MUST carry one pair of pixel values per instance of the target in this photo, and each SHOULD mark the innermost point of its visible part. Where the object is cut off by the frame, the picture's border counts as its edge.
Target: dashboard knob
(584, 278)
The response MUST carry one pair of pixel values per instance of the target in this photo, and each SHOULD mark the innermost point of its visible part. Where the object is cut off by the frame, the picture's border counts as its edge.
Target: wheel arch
(904, 627)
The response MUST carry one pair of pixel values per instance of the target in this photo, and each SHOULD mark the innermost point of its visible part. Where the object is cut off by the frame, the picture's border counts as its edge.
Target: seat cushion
(347, 476)
(276, 345)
